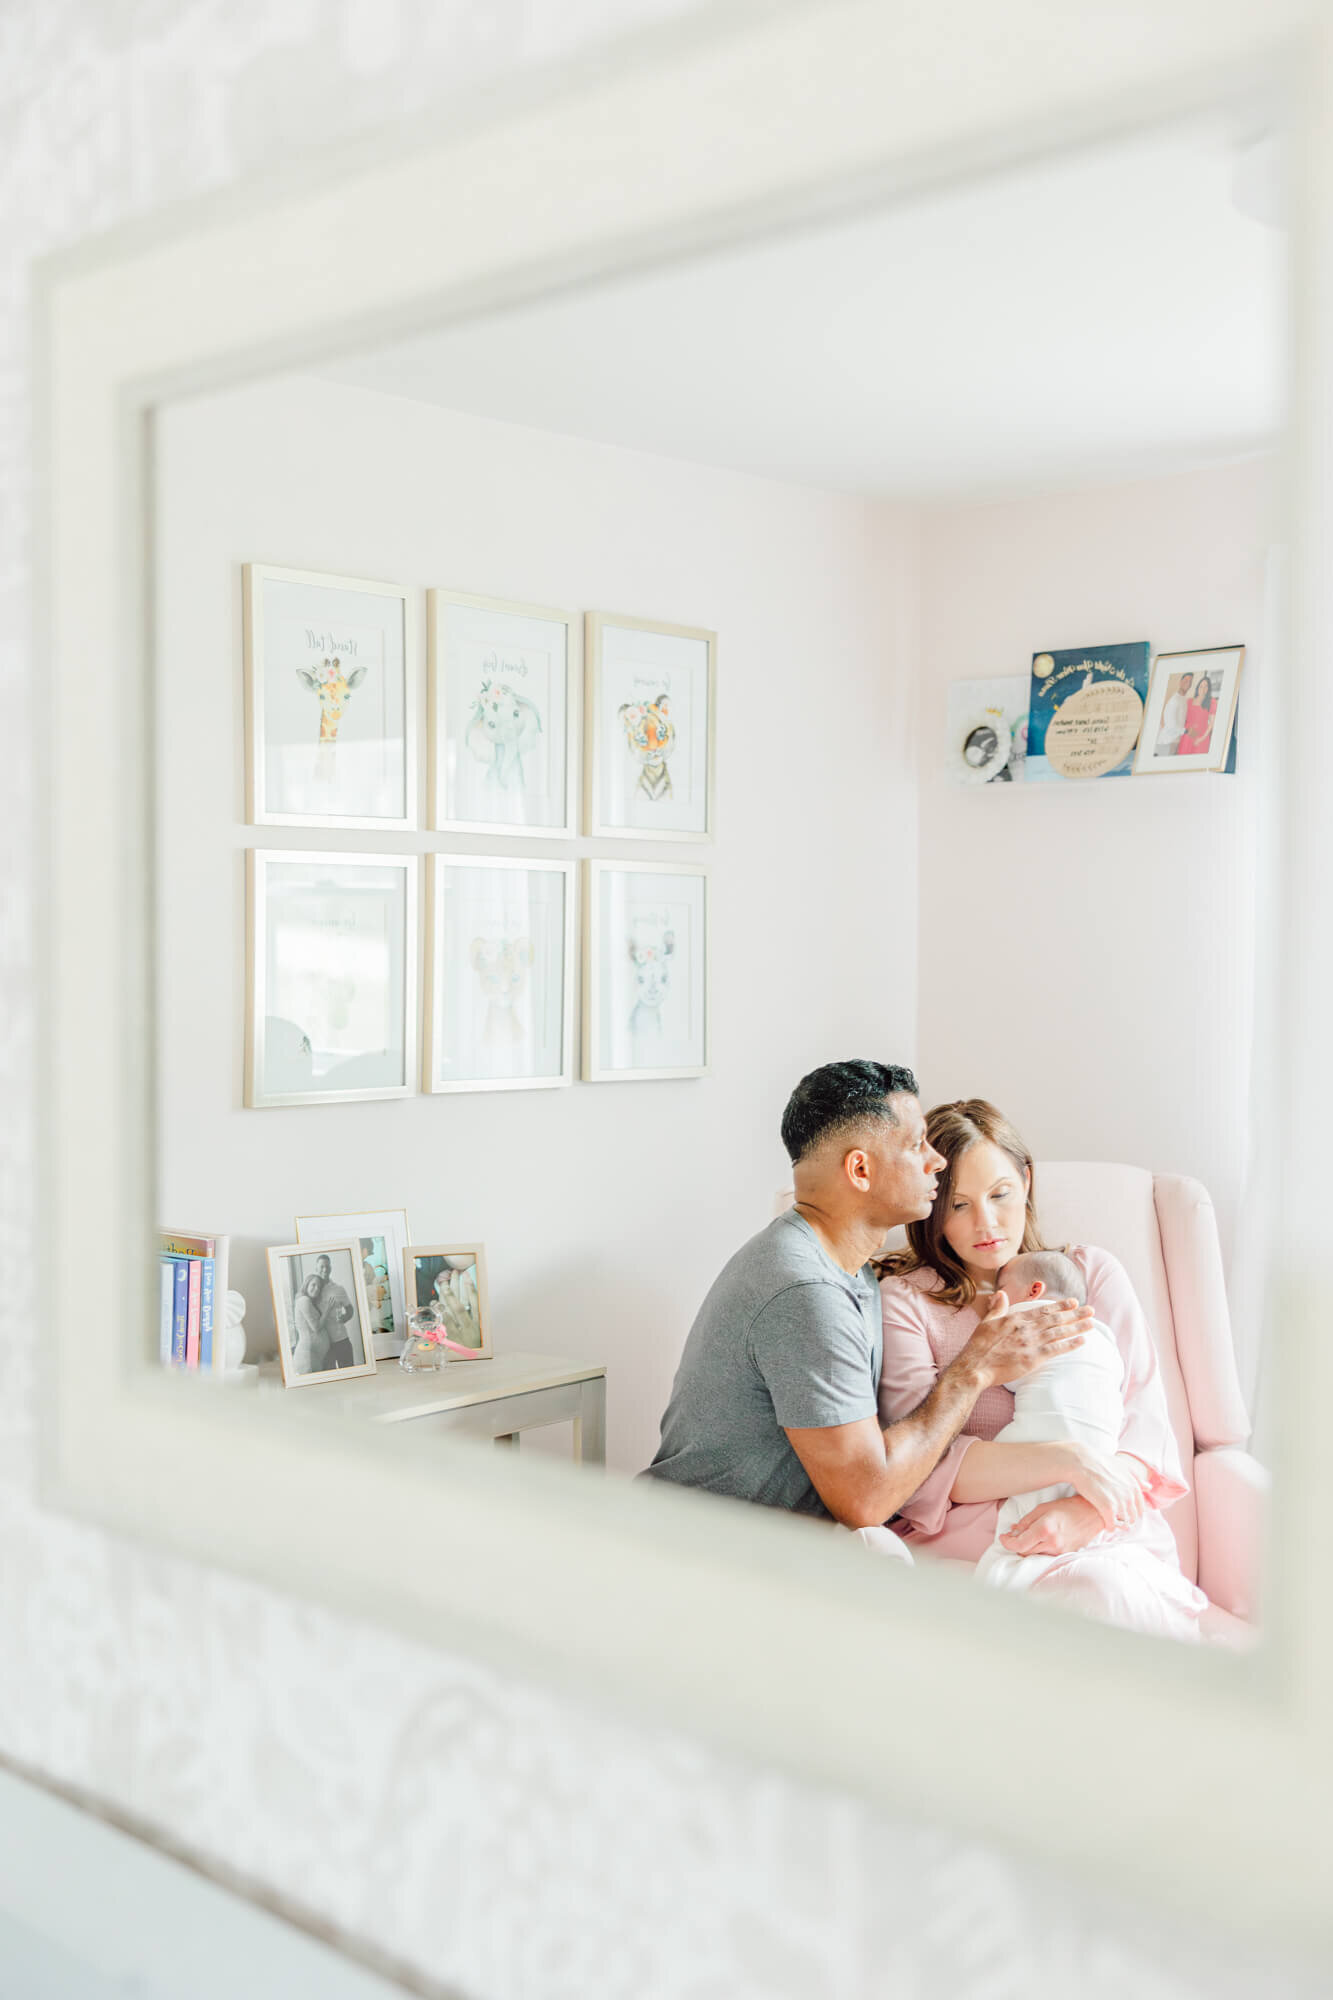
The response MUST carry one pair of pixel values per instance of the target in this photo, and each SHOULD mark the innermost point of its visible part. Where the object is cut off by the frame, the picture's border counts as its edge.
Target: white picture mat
(638, 668)
(648, 970)
(1001, 701)
(331, 1011)
(510, 772)
(500, 972)
(388, 1225)
(298, 623)
(1223, 665)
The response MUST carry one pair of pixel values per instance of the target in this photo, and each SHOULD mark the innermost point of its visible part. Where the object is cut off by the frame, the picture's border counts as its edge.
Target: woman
(1199, 714)
(310, 1356)
(983, 1215)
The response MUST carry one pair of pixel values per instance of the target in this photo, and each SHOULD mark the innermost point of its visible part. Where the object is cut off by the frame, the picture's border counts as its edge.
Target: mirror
(638, 686)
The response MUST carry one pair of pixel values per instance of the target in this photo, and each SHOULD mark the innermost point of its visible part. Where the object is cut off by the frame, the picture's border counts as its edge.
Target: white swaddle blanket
(1074, 1396)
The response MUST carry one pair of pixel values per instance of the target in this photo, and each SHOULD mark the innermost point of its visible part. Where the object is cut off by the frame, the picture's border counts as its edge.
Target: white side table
(498, 1398)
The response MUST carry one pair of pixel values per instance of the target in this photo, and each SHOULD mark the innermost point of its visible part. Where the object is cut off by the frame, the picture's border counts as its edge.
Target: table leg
(590, 1423)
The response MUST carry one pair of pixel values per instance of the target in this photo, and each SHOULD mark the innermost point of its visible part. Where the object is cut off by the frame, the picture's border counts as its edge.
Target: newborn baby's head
(1041, 1274)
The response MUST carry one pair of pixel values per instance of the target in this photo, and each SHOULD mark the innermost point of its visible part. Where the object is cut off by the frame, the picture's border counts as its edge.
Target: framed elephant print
(330, 701)
(501, 694)
(650, 701)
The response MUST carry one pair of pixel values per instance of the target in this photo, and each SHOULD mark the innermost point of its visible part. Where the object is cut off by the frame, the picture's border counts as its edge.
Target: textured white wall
(1087, 952)
(498, 1839)
(605, 1214)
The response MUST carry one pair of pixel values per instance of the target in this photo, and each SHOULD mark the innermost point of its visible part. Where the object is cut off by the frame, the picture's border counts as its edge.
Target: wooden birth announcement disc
(1094, 730)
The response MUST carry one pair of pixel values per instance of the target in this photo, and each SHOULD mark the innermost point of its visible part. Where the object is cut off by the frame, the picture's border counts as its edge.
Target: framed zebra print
(649, 704)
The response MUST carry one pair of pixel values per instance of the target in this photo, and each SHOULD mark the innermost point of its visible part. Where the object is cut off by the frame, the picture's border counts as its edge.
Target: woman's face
(313, 1287)
(987, 1210)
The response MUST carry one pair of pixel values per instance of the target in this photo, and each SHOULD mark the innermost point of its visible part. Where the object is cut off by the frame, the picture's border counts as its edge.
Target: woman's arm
(997, 1471)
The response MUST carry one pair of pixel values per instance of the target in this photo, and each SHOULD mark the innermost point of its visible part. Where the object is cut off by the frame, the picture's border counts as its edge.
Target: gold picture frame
(462, 1302)
(311, 1334)
(1153, 760)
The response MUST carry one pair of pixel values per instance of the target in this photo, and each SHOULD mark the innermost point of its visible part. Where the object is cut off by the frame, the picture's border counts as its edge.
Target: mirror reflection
(745, 790)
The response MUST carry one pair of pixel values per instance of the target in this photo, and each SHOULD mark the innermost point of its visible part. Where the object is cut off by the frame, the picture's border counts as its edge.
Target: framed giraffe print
(331, 969)
(649, 703)
(499, 1011)
(330, 701)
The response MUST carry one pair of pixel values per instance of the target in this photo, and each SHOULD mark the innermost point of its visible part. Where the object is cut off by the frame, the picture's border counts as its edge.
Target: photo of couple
(1189, 719)
(1188, 714)
(319, 1305)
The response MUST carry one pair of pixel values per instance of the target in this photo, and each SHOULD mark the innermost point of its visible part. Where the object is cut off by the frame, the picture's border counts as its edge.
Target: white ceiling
(1112, 315)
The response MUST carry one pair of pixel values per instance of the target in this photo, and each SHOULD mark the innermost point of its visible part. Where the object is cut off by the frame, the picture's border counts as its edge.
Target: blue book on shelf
(167, 1315)
(180, 1309)
(205, 1312)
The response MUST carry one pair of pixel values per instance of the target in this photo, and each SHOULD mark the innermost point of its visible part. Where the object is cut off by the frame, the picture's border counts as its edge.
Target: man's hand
(1006, 1345)
(1055, 1528)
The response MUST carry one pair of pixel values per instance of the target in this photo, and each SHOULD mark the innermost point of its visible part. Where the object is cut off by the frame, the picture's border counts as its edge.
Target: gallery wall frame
(503, 697)
(311, 1027)
(647, 971)
(331, 697)
(500, 961)
(650, 709)
(812, 113)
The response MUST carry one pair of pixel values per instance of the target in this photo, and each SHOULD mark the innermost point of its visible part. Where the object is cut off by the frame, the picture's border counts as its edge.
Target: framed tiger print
(650, 702)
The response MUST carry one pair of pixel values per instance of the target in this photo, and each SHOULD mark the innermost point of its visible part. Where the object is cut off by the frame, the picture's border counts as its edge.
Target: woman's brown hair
(953, 1129)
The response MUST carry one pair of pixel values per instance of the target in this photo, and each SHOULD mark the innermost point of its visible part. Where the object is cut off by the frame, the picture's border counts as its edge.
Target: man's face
(324, 1265)
(904, 1166)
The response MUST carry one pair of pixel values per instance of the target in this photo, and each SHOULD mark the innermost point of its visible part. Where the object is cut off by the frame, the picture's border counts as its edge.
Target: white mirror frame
(764, 1633)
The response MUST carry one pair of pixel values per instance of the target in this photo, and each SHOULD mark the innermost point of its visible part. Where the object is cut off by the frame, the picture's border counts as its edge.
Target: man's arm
(863, 1474)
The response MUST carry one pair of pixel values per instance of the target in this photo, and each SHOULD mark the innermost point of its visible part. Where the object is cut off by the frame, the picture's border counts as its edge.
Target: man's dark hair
(839, 1097)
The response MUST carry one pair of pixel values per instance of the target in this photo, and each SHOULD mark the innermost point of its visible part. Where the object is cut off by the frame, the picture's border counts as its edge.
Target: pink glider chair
(1163, 1229)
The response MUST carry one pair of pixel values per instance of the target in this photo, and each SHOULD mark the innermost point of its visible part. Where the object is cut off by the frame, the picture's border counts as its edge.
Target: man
(335, 1311)
(776, 1396)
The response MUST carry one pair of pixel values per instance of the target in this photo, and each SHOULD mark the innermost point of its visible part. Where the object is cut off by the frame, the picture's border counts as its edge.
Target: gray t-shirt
(786, 1339)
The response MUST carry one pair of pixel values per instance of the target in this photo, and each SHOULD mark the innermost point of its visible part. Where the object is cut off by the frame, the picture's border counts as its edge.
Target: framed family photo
(331, 974)
(319, 1309)
(650, 703)
(1190, 711)
(382, 1235)
(501, 701)
(499, 1009)
(646, 971)
(330, 700)
(452, 1278)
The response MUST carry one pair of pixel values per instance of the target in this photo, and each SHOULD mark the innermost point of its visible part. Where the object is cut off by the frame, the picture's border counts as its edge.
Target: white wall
(1087, 952)
(606, 1209)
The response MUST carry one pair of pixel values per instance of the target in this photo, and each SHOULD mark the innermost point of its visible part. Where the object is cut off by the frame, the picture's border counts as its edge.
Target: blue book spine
(206, 1268)
(167, 1317)
(180, 1321)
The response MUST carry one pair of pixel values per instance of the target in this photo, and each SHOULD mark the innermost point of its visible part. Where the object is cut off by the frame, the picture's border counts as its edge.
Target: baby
(1076, 1395)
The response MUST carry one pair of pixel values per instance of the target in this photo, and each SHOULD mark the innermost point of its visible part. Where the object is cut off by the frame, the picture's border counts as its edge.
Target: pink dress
(922, 1336)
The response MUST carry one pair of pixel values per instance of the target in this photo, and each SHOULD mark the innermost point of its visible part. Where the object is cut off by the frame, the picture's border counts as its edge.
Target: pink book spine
(192, 1325)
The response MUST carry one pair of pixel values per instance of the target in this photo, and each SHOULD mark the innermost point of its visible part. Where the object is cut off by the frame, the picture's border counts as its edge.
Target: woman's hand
(1056, 1528)
(1105, 1483)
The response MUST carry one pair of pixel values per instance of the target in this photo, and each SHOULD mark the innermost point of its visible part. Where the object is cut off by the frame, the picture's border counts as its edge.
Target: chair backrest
(1163, 1230)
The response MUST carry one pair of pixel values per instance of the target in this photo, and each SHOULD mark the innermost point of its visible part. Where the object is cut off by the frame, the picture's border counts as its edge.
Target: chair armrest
(1230, 1495)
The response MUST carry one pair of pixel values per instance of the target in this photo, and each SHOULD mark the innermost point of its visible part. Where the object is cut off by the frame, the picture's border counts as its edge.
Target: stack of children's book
(193, 1293)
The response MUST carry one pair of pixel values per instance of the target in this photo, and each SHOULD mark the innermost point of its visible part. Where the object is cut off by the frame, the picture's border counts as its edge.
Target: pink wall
(1086, 951)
